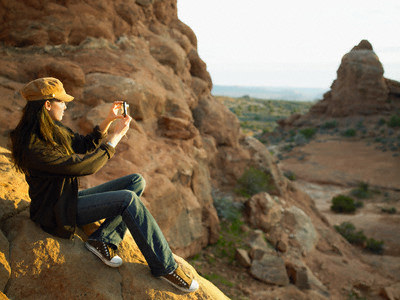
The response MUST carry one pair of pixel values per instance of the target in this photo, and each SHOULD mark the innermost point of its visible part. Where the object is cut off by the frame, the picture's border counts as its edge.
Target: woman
(47, 152)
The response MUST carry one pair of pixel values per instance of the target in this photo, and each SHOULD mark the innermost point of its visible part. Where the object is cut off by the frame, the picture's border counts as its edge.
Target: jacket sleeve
(82, 144)
(51, 161)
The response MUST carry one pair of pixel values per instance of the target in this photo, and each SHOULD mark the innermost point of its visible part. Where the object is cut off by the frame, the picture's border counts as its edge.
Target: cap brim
(65, 97)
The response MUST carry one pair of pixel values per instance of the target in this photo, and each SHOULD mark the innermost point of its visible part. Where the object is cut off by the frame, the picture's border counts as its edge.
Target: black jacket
(53, 179)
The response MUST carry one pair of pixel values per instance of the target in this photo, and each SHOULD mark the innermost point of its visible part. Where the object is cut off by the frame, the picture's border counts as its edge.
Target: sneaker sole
(178, 287)
(95, 252)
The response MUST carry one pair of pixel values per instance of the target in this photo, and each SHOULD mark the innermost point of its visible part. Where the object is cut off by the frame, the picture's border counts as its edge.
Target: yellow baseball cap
(45, 89)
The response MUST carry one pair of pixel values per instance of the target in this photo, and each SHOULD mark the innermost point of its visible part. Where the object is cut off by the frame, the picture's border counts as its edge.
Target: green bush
(394, 121)
(362, 191)
(343, 204)
(374, 246)
(391, 210)
(329, 125)
(227, 209)
(349, 132)
(290, 175)
(254, 181)
(308, 132)
(348, 231)
(381, 122)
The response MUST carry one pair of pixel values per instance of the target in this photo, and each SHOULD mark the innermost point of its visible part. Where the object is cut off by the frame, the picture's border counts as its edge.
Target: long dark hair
(36, 121)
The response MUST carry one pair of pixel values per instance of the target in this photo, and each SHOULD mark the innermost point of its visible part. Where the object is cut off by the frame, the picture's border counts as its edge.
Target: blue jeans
(118, 202)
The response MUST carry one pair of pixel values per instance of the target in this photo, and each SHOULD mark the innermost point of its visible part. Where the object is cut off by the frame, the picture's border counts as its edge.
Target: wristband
(111, 144)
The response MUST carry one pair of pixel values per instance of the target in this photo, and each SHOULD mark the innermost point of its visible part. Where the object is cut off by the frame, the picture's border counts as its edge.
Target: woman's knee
(128, 198)
(139, 183)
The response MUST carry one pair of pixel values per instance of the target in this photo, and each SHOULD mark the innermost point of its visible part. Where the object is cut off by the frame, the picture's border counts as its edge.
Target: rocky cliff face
(139, 52)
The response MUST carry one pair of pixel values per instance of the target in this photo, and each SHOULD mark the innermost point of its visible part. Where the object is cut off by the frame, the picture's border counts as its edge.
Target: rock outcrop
(36, 265)
(360, 89)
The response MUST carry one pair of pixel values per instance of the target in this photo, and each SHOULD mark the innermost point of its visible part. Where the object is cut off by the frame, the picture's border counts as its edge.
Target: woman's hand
(121, 128)
(122, 125)
(114, 110)
(111, 117)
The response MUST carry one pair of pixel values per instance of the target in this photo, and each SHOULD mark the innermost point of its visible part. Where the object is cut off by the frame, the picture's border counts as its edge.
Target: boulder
(13, 188)
(5, 269)
(391, 292)
(301, 228)
(262, 211)
(243, 258)
(258, 245)
(40, 262)
(270, 269)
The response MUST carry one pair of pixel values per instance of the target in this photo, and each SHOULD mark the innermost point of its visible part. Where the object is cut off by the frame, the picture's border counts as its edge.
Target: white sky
(290, 42)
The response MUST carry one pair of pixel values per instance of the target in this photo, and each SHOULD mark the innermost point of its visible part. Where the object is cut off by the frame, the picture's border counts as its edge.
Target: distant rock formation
(360, 89)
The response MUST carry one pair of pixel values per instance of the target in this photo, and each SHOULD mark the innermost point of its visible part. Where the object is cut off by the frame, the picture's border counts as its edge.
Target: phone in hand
(125, 108)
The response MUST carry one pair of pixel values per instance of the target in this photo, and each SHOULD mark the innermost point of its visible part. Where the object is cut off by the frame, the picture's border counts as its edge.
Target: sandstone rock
(5, 269)
(70, 74)
(13, 188)
(40, 262)
(281, 246)
(359, 88)
(198, 68)
(258, 245)
(262, 211)
(301, 227)
(145, 2)
(2, 296)
(264, 161)
(270, 269)
(243, 258)
(298, 276)
(177, 128)
(363, 45)
(391, 292)
(213, 118)
(168, 53)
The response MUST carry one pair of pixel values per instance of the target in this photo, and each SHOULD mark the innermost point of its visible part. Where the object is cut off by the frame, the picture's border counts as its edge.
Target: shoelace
(179, 278)
(106, 250)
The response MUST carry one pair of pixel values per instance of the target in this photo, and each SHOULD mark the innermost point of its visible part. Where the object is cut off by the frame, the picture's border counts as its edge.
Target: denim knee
(128, 198)
(138, 183)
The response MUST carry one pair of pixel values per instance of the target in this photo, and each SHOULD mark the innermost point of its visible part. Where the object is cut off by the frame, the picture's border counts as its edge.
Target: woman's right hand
(121, 128)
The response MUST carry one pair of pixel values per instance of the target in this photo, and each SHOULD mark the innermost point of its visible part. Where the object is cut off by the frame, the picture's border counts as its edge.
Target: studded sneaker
(181, 281)
(104, 252)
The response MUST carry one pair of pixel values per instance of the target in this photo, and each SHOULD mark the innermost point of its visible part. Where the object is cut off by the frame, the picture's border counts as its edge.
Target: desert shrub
(290, 175)
(226, 208)
(348, 231)
(329, 125)
(387, 210)
(362, 191)
(349, 132)
(308, 132)
(381, 122)
(394, 121)
(254, 181)
(343, 204)
(374, 246)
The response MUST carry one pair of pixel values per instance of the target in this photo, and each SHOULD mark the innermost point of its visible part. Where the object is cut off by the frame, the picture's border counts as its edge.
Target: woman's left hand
(113, 114)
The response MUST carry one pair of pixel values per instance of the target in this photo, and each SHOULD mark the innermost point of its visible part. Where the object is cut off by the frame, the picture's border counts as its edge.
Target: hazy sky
(290, 43)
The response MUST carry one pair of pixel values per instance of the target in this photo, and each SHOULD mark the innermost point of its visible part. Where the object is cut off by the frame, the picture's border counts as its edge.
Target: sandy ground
(344, 162)
(327, 167)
